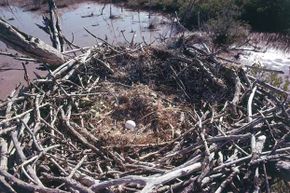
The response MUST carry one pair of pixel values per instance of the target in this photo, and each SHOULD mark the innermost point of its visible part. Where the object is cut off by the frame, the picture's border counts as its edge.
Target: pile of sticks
(236, 136)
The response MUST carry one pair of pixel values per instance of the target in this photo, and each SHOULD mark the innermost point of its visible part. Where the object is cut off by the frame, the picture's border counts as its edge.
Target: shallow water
(121, 29)
(271, 58)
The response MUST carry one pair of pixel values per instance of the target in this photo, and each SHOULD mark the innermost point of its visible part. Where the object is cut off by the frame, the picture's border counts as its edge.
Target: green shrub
(267, 15)
(262, 15)
(220, 18)
(226, 31)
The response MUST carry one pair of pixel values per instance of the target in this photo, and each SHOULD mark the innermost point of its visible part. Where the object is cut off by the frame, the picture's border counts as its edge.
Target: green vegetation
(220, 18)
(261, 15)
(268, 15)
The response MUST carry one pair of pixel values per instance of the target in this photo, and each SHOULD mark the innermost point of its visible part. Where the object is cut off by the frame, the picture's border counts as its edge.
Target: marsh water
(112, 23)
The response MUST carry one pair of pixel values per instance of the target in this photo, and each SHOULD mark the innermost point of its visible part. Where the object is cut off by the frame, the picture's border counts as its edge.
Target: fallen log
(29, 45)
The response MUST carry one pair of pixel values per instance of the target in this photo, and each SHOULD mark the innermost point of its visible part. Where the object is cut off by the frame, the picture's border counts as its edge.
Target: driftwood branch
(29, 45)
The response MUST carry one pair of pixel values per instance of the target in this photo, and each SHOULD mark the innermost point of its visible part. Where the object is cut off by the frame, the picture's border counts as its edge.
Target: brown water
(74, 18)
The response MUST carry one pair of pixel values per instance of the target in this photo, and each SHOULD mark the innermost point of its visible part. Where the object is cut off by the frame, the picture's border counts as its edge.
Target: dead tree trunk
(55, 28)
(29, 45)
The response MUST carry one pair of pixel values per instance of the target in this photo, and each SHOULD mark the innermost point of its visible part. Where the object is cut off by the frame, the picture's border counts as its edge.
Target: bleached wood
(29, 45)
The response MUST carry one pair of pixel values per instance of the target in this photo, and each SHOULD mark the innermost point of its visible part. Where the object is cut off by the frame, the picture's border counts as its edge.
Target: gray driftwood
(29, 45)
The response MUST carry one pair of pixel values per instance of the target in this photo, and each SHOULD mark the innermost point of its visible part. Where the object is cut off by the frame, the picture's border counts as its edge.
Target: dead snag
(29, 45)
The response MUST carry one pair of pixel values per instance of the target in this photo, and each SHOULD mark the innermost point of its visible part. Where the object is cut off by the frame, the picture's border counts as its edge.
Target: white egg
(130, 124)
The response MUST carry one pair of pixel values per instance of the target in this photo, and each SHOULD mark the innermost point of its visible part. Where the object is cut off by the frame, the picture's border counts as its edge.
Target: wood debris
(201, 126)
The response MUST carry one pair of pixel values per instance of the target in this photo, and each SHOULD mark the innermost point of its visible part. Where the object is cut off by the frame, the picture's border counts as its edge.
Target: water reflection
(112, 23)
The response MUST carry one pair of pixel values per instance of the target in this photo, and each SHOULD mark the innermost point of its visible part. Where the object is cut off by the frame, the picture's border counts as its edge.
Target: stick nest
(202, 126)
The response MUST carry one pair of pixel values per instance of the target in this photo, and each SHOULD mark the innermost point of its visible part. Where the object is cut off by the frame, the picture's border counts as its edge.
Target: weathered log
(29, 45)
(54, 27)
